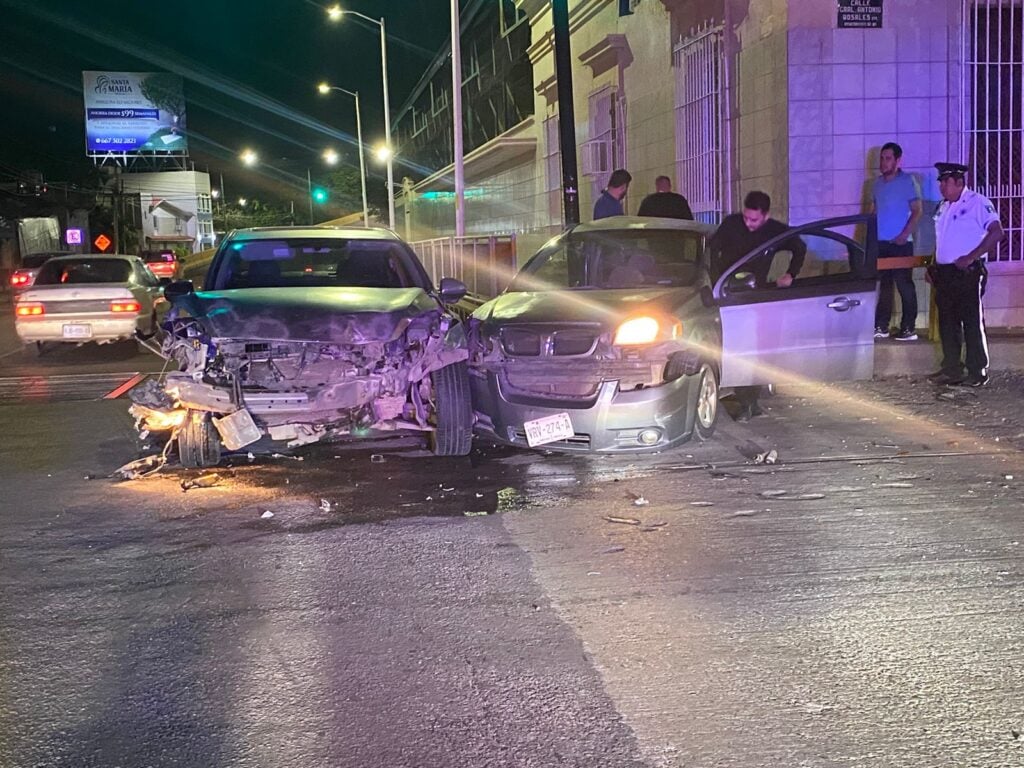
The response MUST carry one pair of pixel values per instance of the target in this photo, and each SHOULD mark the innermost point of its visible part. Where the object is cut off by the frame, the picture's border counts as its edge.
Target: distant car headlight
(646, 330)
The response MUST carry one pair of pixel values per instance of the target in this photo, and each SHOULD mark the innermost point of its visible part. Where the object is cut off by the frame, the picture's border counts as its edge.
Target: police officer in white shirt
(966, 228)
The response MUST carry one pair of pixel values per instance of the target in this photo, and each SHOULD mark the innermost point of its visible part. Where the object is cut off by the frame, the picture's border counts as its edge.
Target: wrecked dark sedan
(619, 336)
(308, 334)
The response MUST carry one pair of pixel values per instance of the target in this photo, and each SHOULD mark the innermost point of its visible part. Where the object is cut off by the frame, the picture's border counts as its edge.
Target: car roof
(613, 223)
(69, 256)
(341, 233)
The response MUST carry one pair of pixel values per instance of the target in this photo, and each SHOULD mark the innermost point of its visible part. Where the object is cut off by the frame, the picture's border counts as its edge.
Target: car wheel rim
(707, 399)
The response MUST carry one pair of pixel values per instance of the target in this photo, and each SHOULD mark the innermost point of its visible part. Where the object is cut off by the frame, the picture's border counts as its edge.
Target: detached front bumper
(612, 421)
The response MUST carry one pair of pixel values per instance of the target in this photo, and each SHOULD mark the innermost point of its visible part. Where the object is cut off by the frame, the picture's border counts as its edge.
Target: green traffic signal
(319, 195)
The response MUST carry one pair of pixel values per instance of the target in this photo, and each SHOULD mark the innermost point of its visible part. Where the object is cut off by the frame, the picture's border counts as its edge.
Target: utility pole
(566, 114)
(460, 184)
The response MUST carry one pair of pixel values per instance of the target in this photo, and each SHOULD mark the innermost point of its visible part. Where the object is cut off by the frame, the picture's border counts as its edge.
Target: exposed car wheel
(453, 432)
(706, 409)
(198, 441)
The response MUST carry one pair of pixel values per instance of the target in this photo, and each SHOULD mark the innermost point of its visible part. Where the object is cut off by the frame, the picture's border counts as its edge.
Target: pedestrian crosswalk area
(67, 387)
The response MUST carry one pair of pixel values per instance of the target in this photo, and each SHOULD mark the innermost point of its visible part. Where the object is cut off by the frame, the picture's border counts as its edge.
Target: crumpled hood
(329, 315)
(605, 307)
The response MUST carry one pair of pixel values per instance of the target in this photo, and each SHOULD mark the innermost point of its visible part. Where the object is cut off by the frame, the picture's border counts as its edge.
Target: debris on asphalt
(622, 520)
(1008, 477)
(134, 470)
(376, 458)
(769, 457)
(482, 513)
(896, 485)
(648, 527)
(702, 503)
(640, 501)
(772, 494)
(613, 550)
(251, 456)
(267, 515)
(745, 513)
(286, 456)
(799, 497)
(445, 489)
(203, 481)
(326, 505)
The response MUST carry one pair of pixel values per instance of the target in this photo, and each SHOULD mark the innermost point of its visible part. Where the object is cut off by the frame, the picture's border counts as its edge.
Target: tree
(346, 191)
(163, 90)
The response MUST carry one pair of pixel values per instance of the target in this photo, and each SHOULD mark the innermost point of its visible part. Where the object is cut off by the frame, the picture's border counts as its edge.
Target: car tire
(198, 441)
(453, 425)
(706, 407)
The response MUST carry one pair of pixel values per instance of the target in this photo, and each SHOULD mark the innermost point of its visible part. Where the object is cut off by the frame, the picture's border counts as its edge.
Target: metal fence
(485, 263)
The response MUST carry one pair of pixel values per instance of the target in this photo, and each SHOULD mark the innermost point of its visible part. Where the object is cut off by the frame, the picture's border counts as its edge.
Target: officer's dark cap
(951, 170)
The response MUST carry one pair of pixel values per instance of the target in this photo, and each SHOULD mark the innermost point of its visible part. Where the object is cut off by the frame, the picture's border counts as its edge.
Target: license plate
(79, 331)
(548, 429)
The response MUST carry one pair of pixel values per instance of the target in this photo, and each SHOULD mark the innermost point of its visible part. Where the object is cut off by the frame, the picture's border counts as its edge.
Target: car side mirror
(741, 281)
(451, 290)
(178, 289)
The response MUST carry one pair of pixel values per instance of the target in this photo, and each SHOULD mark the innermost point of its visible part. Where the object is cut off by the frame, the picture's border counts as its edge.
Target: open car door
(821, 328)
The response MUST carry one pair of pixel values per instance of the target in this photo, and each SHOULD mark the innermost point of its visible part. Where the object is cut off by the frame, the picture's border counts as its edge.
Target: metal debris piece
(745, 513)
(481, 513)
(326, 505)
(800, 497)
(267, 515)
(768, 457)
(134, 470)
(446, 489)
(640, 501)
(203, 481)
(772, 494)
(285, 456)
(622, 520)
(251, 456)
(702, 503)
(1008, 477)
(896, 485)
(376, 458)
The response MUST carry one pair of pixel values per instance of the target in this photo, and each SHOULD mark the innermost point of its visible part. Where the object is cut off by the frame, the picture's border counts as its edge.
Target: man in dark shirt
(664, 202)
(610, 201)
(738, 235)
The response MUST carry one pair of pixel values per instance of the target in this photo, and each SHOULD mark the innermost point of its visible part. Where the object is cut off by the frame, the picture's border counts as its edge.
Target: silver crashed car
(302, 334)
(620, 336)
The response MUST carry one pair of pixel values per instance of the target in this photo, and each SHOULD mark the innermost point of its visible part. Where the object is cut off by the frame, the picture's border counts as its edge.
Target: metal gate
(992, 113)
(698, 106)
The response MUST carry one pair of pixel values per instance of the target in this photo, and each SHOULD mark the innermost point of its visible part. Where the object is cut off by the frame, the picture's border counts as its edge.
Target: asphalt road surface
(858, 603)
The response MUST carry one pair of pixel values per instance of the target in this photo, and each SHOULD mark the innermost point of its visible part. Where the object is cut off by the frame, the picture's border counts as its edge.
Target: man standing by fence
(896, 200)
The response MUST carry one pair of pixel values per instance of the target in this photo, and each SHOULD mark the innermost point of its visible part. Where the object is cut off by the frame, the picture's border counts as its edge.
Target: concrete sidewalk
(919, 358)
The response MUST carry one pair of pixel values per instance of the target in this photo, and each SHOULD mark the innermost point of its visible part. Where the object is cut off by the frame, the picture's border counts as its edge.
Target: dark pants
(904, 279)
(958, 295)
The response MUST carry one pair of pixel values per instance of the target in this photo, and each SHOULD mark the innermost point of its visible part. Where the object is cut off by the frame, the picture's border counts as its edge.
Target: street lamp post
(325, 88)
(309, 195)
(335, 13)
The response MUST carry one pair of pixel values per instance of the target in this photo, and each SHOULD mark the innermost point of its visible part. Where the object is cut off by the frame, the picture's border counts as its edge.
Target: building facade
(176, 208)
(726, 96)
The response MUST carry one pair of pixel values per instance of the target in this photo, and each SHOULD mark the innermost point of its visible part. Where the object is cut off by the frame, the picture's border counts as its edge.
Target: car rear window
(314, 263)
(611, 259)
(155, 258)
(84, 271)
(35, 260)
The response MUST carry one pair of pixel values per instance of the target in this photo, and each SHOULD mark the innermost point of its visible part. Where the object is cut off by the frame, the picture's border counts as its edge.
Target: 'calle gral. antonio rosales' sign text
(864, 14)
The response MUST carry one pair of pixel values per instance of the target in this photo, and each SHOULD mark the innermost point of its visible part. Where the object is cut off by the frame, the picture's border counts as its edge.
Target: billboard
(134, 112)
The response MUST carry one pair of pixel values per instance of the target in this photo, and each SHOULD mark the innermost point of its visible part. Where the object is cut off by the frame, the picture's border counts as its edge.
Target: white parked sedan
(88, 297)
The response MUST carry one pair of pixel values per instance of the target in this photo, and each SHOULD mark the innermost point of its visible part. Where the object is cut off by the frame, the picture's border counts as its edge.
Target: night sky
(250, 71)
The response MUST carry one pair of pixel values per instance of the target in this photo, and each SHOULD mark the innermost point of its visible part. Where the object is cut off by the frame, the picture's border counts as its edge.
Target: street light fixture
(248, 157)
(326, 88)
(330, 156)
(242, 201)
(383, 153)
(336, 13)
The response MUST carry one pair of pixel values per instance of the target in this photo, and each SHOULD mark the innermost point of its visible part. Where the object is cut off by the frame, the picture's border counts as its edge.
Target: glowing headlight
(639, 330)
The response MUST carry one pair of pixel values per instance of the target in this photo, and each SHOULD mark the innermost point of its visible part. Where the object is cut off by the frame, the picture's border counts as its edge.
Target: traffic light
(320, 195)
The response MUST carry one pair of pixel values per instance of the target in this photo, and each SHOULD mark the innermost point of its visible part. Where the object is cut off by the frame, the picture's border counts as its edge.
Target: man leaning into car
(738, 235)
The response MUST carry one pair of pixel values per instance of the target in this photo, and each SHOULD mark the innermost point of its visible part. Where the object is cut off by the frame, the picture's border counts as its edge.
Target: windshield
(640, 258)
(314, 263)
(84, 270)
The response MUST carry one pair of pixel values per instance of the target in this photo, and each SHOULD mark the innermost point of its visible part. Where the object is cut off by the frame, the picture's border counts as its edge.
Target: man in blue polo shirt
(896, 200)
(609, 203)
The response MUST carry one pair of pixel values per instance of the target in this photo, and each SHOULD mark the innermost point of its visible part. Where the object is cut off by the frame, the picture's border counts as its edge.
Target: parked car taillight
(19, 279)
(29, 309)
